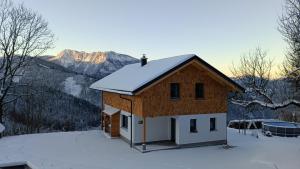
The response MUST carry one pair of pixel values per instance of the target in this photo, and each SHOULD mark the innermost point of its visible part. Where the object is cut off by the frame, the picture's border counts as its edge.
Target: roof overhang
(109, 110)
(206, 65)
(113, 90)
(233, 85)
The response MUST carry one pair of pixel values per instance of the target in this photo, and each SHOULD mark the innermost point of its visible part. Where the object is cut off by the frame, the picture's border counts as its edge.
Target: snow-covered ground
(71, 87)
(92, 150)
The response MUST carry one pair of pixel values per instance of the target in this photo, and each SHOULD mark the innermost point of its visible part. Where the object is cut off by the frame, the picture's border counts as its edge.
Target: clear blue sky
(219, 31)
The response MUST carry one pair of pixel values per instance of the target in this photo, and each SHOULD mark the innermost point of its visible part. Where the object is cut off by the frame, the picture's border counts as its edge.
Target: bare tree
(254, 72)
(23, 34)
(289, 26)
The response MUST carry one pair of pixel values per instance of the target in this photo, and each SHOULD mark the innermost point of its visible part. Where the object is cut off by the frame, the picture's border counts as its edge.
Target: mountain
(43, 73)
(95, 64)
(57, 94)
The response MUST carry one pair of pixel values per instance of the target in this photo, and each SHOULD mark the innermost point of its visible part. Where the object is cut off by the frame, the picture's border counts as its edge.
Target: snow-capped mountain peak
(95, 64)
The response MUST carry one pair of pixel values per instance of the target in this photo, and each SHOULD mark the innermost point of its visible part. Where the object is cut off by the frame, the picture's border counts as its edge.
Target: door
(173, 129)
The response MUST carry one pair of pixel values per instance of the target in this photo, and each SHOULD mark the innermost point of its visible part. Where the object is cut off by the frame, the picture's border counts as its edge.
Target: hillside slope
(58, 96)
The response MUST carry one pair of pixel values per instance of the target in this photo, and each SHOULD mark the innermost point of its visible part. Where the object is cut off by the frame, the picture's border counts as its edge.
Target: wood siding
(115, 125)
(155, 99)
(115, 100)
(111, 124)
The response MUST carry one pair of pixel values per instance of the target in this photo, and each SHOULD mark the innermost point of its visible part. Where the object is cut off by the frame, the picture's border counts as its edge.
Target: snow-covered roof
(134, 76)
(109, 110)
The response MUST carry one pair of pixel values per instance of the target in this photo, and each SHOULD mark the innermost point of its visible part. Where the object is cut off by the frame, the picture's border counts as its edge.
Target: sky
(218, 31)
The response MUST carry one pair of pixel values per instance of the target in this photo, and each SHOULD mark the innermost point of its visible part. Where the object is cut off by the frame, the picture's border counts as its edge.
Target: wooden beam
(104, 127)
(102, 120)
(217, 77)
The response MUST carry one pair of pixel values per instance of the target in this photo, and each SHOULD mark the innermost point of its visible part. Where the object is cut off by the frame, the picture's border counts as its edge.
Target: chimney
(143, 60)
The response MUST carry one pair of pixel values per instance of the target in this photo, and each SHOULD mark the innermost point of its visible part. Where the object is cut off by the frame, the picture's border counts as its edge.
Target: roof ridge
(133, 78)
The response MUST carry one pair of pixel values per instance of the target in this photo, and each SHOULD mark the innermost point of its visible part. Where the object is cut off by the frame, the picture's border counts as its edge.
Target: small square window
(199, 91)
(193, 125)
(125, 121)
(174, 90)
(212, 124)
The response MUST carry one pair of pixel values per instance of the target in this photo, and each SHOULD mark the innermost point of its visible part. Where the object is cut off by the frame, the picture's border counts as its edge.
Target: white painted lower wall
(184, 136)
(159, 128)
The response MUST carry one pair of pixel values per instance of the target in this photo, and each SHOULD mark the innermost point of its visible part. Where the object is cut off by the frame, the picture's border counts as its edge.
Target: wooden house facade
(181, 99)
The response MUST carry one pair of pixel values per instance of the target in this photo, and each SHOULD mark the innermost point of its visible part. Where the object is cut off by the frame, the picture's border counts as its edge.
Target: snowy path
(92, 150)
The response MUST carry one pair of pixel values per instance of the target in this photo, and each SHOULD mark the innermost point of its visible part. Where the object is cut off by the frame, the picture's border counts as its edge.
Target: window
(199, 91)
(125, 121)
(174, 90)
(212, 124)
(193, 125)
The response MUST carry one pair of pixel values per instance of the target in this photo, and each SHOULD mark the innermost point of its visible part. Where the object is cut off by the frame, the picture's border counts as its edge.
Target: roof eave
(237, 86)
(113, 91)
(162, 75)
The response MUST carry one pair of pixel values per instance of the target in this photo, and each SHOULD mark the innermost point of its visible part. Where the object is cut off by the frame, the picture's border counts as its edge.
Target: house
(180, 99)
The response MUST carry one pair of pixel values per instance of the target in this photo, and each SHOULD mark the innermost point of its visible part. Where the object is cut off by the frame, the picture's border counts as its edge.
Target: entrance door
(173, 129)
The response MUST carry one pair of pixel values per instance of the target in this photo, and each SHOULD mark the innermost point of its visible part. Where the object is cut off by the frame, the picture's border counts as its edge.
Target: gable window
(174, 89)
(193, 125)
(124, 121)
(199, 91)
(212, 124)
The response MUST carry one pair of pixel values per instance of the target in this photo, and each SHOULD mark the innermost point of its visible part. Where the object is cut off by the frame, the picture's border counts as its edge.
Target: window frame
(193, 126)
(171, 91)
(196, 91)
(214, 128)
(123, 120)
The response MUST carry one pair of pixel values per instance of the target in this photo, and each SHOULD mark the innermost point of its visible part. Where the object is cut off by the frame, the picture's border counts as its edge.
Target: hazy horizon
(217, 31)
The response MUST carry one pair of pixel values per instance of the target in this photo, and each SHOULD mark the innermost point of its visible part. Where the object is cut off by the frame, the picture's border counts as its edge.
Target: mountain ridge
(94, 64)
